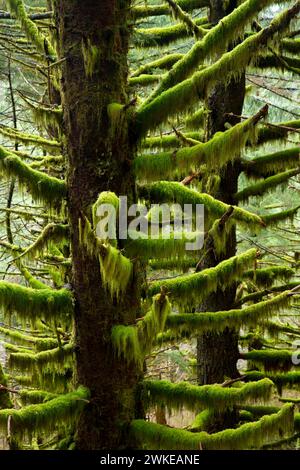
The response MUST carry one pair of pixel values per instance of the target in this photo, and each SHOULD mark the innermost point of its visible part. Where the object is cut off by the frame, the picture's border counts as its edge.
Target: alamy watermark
(159, 221)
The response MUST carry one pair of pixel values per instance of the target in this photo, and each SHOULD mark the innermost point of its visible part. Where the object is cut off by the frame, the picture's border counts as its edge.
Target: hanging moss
(30, 139)
(52, 233)
(91, 56)
(167, 191)
(279, 216)
(144, 80)
(30, 29)
(214, 42)
(217, 152)
(202, 421)
(40, 344)
(42, 187)
(248, 436)
(116, 269)
(174, 264)
(134, 342)
(177, 98)
(270, 359)
(219, 234)
(46, 116)
(193, 323)
(161, 9)
(270, 164)
(278, 131)
(153, 37)
(169, 141)
(196, 120)
(274, 329)
(267, 276)
(290, 45)
(183, 17)
(262, 187)
(30, 304)
(280, 379)
(190, 289)
(207, 396)
(33, 419)
(52, 358)
(151, 248)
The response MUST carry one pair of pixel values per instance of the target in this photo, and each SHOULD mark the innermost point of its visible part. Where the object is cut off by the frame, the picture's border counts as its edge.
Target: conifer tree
(89, 312)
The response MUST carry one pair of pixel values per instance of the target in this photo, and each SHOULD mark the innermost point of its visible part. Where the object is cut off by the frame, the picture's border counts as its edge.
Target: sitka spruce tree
(149, 101)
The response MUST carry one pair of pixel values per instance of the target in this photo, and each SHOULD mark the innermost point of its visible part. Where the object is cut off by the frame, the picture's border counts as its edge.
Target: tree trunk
(93, 41)
(217, 354)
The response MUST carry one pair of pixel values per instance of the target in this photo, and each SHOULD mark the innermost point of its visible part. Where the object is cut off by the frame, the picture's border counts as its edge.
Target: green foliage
(248, 436)
(270, 164)
(266, 276)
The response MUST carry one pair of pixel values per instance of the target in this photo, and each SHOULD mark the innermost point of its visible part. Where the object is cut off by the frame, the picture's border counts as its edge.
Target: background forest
(117, 344)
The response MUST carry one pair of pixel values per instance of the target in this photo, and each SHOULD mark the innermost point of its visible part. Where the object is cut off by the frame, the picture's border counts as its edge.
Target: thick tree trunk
(217, 354)
(94, 45)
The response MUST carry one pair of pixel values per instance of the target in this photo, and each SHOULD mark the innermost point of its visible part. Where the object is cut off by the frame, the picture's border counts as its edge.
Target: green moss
(30, 304)
(291, 45)
(277, 131)
(152, 37)
(177, 98)
(190, 289)
(194, 323)
(217, 152)
(161, 9)
(270, 359)
(248, 436)
(267, 276)
(165, 62)
(32, 397)
(133, 342)
(56, 359)
(196, 120)
(214, 42)
(169, 141)
(30, 29)
(91, 56)
(166, 191)
(42, 187)
(270, 164)
(30, 139)
(207, 396)
(52, 233)
(40, 344)
(271, 219)
(46, 416)
(5, 401)
(262, 187)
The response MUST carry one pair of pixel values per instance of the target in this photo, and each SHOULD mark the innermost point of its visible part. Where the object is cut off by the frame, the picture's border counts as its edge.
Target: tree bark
(99, 158)
(217, 354)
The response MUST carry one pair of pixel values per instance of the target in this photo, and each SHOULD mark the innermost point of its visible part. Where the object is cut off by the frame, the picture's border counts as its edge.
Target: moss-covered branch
(31, 304)
(189, 289)
(268, 184)
(207, 396)
(268, 165)
(167, 191)
(179, 97)
(163, 9)
(45, 416)
(30, 139)
(222, 148)
(193, 323)
(248, 436)
(42, 187)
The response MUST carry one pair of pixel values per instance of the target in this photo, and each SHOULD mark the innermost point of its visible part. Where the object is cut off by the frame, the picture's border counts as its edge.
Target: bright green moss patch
(270, 164)
(267, 276)
(52, 358)
(30, 139)
(270, 359)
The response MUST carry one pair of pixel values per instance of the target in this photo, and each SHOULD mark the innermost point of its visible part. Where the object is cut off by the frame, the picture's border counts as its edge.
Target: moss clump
(267, 276)
(160, 9)
(248, 436)
(56, 359)
(52, 233)
(270, 359)
(270, 164)
(30, 139)
(165, 62)
(169, 141)
(5, 401)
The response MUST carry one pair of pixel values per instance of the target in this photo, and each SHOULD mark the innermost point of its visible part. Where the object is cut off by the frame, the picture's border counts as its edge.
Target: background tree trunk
(94, 43)
(217, 354)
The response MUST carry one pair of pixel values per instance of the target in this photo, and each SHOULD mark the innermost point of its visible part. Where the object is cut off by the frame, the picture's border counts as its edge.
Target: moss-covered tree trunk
(217, 354)
(93, 42)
